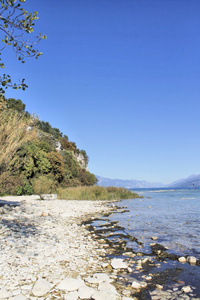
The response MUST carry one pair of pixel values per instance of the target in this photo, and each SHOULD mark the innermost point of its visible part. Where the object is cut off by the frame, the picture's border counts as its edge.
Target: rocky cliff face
(79, 157)
(81, 160)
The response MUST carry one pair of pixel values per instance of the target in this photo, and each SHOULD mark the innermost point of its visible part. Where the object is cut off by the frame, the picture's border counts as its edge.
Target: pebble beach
(48, 253)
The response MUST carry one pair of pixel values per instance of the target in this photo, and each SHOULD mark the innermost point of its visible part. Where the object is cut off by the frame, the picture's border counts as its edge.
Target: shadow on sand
(9, 203)
(17, 224)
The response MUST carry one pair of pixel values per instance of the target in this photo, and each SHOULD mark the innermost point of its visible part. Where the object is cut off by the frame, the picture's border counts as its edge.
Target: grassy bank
(96, 193)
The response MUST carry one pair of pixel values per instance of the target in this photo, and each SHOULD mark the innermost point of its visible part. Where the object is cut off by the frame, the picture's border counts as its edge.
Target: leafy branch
(16, 25)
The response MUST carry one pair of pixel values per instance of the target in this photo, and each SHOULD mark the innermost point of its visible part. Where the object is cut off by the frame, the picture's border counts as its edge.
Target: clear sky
(121, 78)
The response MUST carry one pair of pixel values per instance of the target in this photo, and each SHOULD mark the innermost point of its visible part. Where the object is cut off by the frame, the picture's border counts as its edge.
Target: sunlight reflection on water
(171, 215)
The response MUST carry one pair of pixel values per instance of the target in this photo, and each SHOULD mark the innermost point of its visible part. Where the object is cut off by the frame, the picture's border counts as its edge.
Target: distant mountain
(127, 183)
(192, 181)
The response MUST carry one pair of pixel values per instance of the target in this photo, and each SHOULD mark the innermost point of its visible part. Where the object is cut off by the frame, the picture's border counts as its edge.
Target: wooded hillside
(34, 156)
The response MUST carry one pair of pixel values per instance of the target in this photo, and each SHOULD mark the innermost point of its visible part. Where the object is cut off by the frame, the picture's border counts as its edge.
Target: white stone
(105, 295)
(71, 296)
(70, 284)
(26, 287)
(136, 285)
(98, 278)
(148, 278)
(19, 297)
(182, 259)
(127, 298)
(159, 287)
(85, 292)
(5, 293)
(186, 289)
(41, 287)
(16, 292)
(118, 263)
(48, 196)
(107, 286)
(130, 270)
(192, 260)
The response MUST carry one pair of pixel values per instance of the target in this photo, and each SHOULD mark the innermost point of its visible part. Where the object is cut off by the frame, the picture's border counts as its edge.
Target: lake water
(171, 215)
(167, 219)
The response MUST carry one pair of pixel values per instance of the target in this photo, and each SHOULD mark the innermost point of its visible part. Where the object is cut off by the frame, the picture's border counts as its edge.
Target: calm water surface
(171, 215)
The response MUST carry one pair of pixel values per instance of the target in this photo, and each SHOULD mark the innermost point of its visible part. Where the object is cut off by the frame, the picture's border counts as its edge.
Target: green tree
(16, 104)
(30, 161)
(46, 127)
(57, 165)
(16, 24)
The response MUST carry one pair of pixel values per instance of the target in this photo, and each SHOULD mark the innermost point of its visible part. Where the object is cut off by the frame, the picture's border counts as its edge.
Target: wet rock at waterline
(192, 260)
(186, 289)
(118, 263)
(182, 259)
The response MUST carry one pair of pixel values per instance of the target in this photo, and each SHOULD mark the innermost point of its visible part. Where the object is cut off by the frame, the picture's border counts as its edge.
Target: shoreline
(161, 275)
(49, 250)
(43, 246)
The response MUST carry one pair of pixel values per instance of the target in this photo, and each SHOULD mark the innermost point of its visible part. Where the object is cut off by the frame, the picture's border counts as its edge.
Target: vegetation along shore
(49, 250)
(38, 159)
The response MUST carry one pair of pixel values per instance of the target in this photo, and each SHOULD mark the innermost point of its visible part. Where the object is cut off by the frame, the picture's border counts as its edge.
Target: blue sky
(121, 78)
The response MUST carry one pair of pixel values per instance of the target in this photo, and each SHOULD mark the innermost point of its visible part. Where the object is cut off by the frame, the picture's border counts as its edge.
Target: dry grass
(13, 133)
(95, 193)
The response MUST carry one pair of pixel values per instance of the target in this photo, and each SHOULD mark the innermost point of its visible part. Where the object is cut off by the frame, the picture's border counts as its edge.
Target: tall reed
(15, 129)
(95, 193)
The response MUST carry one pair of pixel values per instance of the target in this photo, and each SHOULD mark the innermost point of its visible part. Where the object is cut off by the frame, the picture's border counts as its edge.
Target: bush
(27, 189)
(14, 185)
(44, 185)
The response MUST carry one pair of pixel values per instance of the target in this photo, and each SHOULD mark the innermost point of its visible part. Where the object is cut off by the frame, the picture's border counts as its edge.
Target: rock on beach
(41, 287)
(46, 252)
(118, 263)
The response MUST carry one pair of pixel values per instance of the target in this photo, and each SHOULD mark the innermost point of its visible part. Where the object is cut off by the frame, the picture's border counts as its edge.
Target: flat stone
(26, 287)
(41, 287)
(70, 284)
(71, 296)
(98, 278)
(136, 285)
(85, 292)
(105, 295)
(19, 297)
(5, 293)
(186, 289)
(107, 286)
(118, 263)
